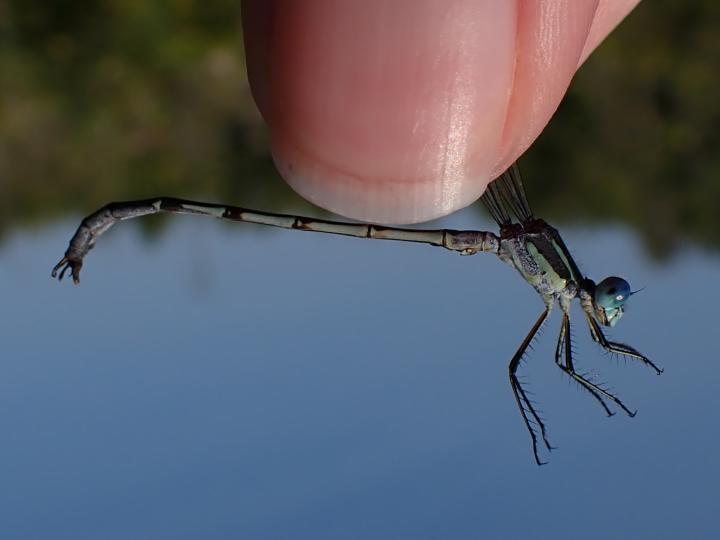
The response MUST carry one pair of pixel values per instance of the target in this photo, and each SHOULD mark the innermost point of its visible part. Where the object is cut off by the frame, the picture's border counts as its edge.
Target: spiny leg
(564, 349)
(94, 225)
(617, 348)
(565, 346)
(521, 398)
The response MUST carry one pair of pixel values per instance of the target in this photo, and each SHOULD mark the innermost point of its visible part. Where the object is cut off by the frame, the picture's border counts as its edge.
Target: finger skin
(401, 111)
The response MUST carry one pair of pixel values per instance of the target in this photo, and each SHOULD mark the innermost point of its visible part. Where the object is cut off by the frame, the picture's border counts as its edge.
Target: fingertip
(400, 112)
(392, 114)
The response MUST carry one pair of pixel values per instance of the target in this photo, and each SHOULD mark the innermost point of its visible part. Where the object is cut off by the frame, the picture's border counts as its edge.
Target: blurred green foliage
(114, 99)
(103, 99)
(637, 138)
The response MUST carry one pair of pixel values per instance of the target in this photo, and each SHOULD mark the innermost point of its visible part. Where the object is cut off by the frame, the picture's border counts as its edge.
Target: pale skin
(401, 111)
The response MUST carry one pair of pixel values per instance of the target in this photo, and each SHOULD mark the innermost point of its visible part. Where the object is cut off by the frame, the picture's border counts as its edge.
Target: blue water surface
(240, 382)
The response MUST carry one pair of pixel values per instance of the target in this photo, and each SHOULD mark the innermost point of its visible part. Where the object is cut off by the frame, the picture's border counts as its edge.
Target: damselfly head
(609, 298)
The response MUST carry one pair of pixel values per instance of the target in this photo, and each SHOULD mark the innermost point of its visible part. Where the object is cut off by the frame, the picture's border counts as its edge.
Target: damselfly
(530, 245)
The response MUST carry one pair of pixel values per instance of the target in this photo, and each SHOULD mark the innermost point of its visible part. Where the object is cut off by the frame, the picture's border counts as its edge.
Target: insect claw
(57, 267)
(65, 264)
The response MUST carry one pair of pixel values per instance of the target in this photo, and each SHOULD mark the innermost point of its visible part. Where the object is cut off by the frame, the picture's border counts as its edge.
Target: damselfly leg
(617, 348)
(564, 349)
(530, 417)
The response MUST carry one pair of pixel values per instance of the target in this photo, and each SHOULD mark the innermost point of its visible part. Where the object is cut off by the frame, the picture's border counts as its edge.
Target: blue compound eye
(611, 293)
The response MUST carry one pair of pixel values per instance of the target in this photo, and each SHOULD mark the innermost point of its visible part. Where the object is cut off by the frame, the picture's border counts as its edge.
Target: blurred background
(208, 380)
(105, 99)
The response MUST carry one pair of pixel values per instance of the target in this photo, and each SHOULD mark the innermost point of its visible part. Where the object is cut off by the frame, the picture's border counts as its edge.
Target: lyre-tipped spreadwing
(530, 245)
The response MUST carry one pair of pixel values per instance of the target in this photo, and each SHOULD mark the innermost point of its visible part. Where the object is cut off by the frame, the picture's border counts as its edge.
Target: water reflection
(230, 375)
